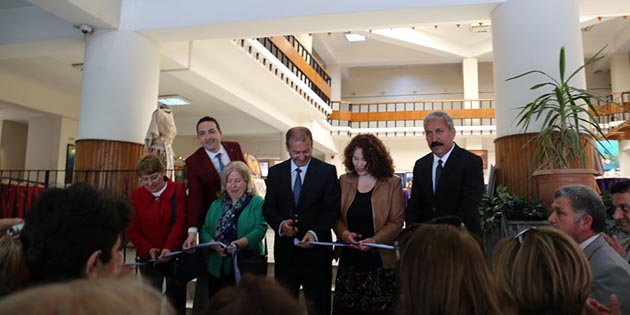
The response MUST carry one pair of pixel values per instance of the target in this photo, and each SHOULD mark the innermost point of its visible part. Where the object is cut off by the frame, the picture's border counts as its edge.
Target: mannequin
(160, 136)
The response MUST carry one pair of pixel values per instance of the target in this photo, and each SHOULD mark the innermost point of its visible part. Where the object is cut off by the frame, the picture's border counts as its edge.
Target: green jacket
(250, 224)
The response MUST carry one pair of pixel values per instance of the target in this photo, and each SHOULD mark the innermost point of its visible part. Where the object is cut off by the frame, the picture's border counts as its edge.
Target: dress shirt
(225, 158)
(303, 168)
(435, 164)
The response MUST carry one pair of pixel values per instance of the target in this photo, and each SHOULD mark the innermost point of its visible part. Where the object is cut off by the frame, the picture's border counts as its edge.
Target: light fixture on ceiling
(481, 27)
(173, 100)
(351, 37)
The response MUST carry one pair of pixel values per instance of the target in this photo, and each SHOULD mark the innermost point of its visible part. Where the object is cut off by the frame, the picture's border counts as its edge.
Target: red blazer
(151, 221)
(204, 182)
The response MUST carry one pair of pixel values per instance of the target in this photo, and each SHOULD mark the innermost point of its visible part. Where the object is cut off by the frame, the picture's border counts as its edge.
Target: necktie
(297, 186)
(438, 172)
(218, 157)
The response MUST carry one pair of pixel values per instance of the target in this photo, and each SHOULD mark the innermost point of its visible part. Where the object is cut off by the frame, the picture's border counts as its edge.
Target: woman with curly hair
(372, 211)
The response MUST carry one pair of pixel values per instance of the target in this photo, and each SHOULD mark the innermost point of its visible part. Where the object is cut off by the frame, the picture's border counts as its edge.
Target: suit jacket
(151, 221)
(611, 274)
(317, 210)
(250, 224)
(458, 191)
(204, 182)
(388, 211)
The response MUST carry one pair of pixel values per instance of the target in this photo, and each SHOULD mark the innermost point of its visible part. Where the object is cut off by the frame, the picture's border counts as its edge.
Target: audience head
(439, 132)
(299, 142)
(541, 271)
(442, 271)
(578, 211)
(254, 296)
(87, 297)
(209, 134)
(236, 180)
(366, 154)
(74, 233)
(621, 202)
(151, 172)
(12, 269)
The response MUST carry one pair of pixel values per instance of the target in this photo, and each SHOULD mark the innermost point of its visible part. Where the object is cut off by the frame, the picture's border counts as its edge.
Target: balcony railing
(471, 117)
(288, 60)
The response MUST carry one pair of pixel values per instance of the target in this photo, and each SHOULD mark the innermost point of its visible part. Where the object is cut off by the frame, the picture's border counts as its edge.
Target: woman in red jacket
(154, 231)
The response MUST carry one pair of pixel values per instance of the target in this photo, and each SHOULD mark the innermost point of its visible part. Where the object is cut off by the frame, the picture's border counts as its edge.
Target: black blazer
(458, 192)
(317, 210)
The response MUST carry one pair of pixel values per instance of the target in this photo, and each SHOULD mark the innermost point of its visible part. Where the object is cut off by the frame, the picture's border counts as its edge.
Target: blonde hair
(12, 268)
(149, 164)
(545, 274)
(127, 296)
(242, 169)
(442, 271)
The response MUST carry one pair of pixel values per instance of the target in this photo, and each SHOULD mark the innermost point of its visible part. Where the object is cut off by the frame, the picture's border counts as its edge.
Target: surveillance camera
(85, 29)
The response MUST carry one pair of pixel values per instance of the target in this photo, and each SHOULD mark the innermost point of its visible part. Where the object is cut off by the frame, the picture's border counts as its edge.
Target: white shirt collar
(212, 154)
(303, 167)
(158, 193)
(590, 240)
(443, 158)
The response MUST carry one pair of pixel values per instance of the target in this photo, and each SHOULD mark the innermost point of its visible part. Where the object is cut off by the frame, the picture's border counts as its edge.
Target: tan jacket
(388, 211)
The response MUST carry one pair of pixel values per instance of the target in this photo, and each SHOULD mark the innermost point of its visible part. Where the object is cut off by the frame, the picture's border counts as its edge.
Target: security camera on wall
(85, 29)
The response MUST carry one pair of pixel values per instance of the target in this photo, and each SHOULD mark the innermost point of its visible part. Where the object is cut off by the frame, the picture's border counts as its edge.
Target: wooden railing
(295, 57)
(474, 117)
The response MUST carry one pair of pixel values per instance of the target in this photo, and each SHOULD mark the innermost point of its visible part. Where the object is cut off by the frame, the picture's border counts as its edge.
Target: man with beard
(448, 181)
(620, 192)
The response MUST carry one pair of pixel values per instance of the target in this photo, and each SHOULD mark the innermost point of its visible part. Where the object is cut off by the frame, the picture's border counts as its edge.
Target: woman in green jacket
(234, 218)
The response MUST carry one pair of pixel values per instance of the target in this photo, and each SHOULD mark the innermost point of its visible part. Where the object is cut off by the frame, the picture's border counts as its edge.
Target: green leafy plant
(514, 207)
(567, 113)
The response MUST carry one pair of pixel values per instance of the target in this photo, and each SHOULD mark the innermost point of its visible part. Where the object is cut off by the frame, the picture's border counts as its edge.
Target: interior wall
(404, 83)
(13, 145)
(598, 81)
(42, 150)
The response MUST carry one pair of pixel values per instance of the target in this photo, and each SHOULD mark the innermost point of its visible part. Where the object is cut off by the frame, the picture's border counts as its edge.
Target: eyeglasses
(152, 178)
(520, 235)
(406, 233)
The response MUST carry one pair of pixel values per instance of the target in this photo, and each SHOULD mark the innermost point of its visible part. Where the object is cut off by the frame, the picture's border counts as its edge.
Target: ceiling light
(351, 37)
(173, 100)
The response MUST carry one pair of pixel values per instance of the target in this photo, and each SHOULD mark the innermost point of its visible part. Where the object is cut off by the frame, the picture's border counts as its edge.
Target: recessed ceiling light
(351, 37)
(173, 100)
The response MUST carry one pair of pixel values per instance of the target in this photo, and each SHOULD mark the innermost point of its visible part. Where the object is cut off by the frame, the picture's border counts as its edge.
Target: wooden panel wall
(108, 165)
(513, 164)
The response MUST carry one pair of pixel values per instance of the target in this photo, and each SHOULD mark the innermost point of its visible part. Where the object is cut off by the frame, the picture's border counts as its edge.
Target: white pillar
(120, 86)
(527, 35)
(470, 73)
(335, 81)
(620, 72)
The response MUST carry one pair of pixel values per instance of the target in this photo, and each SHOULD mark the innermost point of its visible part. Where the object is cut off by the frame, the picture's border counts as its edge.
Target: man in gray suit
(579, 211)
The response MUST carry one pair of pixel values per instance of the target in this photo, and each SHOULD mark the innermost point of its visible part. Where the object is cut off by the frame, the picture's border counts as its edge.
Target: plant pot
(551, 179)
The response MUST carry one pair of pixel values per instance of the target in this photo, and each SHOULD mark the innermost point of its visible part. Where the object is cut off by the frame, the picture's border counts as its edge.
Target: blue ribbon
(237, 270)
(340, 244)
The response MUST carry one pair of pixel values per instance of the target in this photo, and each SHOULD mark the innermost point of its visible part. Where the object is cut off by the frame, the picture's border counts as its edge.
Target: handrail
(284, 51)
(309, 58)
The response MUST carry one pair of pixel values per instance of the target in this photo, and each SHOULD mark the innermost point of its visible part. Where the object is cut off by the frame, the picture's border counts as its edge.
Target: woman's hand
(363, 247)
(351, 239)
(162, 258)
(219, 249)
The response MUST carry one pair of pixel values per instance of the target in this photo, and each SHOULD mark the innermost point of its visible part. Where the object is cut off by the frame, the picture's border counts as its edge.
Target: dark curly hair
(379, 162)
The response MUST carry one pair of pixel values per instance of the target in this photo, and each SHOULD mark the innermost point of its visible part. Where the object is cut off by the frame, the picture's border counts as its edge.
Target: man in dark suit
(580, 212)
(302, 203)
(203, 171)
(447, 181)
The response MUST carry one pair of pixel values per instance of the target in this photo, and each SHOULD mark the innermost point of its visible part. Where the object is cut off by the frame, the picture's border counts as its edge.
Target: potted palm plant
(568, 133)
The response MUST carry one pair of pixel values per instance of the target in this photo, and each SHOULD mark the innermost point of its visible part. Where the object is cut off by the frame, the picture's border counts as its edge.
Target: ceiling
(440, 43)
